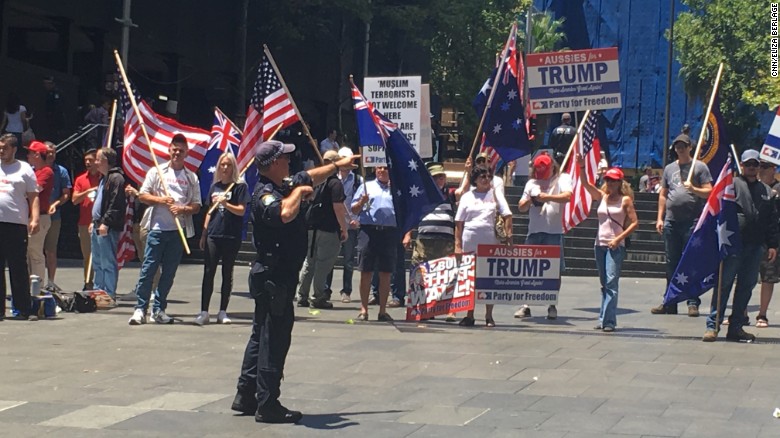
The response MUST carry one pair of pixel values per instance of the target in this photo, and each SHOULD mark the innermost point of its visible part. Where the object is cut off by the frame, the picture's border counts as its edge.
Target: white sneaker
(222, 318)
(138, 318)
(202, 318)
(523, 312)
(161, 318)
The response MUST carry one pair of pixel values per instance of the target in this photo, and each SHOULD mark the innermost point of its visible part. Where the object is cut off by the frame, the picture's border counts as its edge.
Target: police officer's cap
(270, 150)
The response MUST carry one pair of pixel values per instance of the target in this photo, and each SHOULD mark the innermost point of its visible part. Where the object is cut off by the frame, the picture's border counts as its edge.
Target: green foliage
(735, 32)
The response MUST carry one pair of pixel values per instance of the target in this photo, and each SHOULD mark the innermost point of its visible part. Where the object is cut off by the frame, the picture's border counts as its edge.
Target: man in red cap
(542, 198)
(44, 175)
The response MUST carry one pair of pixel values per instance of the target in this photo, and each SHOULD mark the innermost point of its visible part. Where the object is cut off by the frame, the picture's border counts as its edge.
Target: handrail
(78, 135)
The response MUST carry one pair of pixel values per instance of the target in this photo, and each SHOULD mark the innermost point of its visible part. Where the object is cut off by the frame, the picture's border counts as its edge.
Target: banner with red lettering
(441, 286)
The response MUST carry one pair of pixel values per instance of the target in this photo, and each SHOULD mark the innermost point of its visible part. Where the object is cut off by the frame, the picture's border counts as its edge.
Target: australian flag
(505, 127)
(715, 237)
(715, 149)
(224, 136)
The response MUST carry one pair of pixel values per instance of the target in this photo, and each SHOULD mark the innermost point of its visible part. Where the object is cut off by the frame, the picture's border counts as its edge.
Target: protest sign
(441, 286)
(573, 81)
(519, 274)
(398, 99)
(373, 156)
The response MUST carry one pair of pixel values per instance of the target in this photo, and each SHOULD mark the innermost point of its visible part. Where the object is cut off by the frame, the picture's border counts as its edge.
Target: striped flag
(578, 207)
(136, 159)
(494, 159)
(270, 107)
(126, 248)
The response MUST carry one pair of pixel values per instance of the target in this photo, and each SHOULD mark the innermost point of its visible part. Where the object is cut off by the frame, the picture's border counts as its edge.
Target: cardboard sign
(399, 99)
(373, 156)
(519, 274)
(441, 286)
(577, 80)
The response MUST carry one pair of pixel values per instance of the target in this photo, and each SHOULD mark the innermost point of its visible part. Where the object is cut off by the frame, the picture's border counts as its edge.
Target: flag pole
(131, 97)
(717, 305)
(736, 158)
(706, 119)
(362, 167)
(112, 121)
(492, 91)
(295, 106)
(574, 140)
(228, 119)
(244, 170)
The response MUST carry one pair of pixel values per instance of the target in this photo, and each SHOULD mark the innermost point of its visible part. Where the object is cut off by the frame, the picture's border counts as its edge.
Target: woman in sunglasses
(617, 220)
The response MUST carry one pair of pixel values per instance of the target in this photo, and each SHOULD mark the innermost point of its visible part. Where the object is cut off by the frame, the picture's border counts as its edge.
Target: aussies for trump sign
(573, 81)
(441, 286)
(520, 274)
(398, 99)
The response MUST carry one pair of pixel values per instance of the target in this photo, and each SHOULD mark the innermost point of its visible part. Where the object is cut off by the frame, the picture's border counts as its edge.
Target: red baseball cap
(614, 174)
(543, 166)
(37, 146)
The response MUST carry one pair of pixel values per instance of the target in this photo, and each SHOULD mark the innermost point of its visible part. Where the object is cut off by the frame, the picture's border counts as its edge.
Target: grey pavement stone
(720, 428)
(509, 418)
(636, 407)
(580, 422)
(444, 415)
(567, 404)
(650, 425)
(517, 402)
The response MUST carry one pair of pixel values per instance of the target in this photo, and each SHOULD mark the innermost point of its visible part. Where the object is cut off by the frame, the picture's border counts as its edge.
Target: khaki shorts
(770, 272)
(429, 249)
(52, 236)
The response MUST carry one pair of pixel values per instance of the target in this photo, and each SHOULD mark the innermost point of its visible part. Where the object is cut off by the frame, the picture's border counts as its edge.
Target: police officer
(280, 238)
(561, 137)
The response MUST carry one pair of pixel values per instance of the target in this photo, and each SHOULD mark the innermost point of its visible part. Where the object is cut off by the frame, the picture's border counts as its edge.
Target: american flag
(126, 248)
(224, 133)
(493, 158)
(578, 207)
(136, 159)
(270, 107)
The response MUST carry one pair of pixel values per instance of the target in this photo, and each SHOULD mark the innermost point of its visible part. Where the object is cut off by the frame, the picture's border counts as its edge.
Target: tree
(734, 32)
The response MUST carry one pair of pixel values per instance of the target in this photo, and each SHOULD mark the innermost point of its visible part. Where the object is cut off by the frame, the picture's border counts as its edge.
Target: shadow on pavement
(336, 421)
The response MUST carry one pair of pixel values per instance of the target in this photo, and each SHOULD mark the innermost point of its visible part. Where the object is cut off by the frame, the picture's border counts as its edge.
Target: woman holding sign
(475, 224)
(617, 220)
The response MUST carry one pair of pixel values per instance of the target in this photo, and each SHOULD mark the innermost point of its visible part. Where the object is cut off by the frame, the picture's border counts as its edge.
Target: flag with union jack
(270, 107)
(578, 207)
(136, 158)
(125, 251)
(225, 136)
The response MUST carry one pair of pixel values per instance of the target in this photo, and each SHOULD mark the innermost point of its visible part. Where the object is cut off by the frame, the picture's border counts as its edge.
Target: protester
(758, 229)
(84, 193)
(351, 182)
(36, 157)
(329, 143)
(19, 215)
(644, 181)
(768, 271)
(221, 237)
(14, 118)
(326, 218)
(617, 220)
(60, 194)
(98, 115)
(475, 224)
(543, 198)
(679, 205)
(496, 183)
(140, 234)
(561, 137)
(279, 233)
(377, 239)
(602, 168)
(436, 231)
(108, 219)
(173, 198)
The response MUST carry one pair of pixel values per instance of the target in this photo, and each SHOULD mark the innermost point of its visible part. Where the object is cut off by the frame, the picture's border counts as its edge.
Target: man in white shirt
(177, 197)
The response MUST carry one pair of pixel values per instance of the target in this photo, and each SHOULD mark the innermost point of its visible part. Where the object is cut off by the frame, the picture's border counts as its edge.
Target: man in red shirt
(36, 157)
(84, 192)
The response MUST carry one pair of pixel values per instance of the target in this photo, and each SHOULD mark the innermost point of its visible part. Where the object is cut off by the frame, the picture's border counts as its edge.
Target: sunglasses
(751, 163)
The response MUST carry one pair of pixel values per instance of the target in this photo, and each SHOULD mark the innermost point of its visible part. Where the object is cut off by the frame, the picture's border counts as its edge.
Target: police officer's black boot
(274, 412)
(244, 403)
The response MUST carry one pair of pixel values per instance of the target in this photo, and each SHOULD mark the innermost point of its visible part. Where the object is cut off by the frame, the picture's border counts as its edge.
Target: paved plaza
(92, 375)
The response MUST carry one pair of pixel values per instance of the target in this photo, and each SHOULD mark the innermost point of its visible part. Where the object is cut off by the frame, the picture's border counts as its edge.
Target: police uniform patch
(268, 199)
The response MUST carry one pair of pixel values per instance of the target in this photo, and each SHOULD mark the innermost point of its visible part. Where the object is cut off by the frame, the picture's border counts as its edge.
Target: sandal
(362, 316)
(467, 321)
(489, 322)
(761, 321)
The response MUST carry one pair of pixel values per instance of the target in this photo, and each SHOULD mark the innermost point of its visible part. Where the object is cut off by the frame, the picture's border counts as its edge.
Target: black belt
(377, 227)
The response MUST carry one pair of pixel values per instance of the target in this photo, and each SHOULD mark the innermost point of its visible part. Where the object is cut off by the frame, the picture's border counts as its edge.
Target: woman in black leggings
(221, 238)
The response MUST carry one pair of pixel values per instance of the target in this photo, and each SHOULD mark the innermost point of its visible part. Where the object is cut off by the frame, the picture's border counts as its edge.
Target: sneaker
(202, 318)
(161, 318)
(372, 300)
(741, 335)
(608, 329)
(274, 412)
(138, 318)
(303, 303)
(384, 317)
(664, 310)
(552, 312)
(709, 336)
(321, 304)
(395, 302)
(244, 403)
(345, 298)
(523, 312)
(222, 318)
(693, 311)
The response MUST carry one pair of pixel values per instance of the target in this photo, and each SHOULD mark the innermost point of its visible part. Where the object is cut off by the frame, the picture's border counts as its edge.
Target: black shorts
(376, 249)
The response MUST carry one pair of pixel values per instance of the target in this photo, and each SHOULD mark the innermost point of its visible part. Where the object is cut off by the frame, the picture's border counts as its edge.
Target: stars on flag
(511, 94)
(724, 235)
(413, 165)
(681, 278)
(709, 279)
(414, 191)
(212, 169)
(497, 128)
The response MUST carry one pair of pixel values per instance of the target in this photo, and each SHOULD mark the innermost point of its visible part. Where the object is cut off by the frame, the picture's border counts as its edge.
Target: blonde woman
(475, 224)
(221, 236)
(617, 220)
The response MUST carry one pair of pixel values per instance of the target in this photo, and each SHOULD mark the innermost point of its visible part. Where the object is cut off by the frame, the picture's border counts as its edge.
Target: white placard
(399, 99)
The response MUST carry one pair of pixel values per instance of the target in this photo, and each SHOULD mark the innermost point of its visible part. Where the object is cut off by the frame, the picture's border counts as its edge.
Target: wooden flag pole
(131, 96)
(704, 123)
(243, 171)
(736, 158)
(574, 140)
(362, 167)
(717, 305)
(295, 107)
(112, 121)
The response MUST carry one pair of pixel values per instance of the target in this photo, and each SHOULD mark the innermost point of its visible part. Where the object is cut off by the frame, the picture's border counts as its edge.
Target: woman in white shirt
(475, 224)
(14, 118)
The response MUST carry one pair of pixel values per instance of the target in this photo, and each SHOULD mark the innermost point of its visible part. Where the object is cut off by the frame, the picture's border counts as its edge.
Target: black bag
(84, 303)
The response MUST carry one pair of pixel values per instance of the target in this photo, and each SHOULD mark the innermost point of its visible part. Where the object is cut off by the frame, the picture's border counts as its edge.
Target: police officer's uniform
(281, 250)
(561, 139)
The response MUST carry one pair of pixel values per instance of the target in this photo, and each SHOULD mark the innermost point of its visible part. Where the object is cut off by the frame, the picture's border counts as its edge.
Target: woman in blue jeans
(617, 220)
